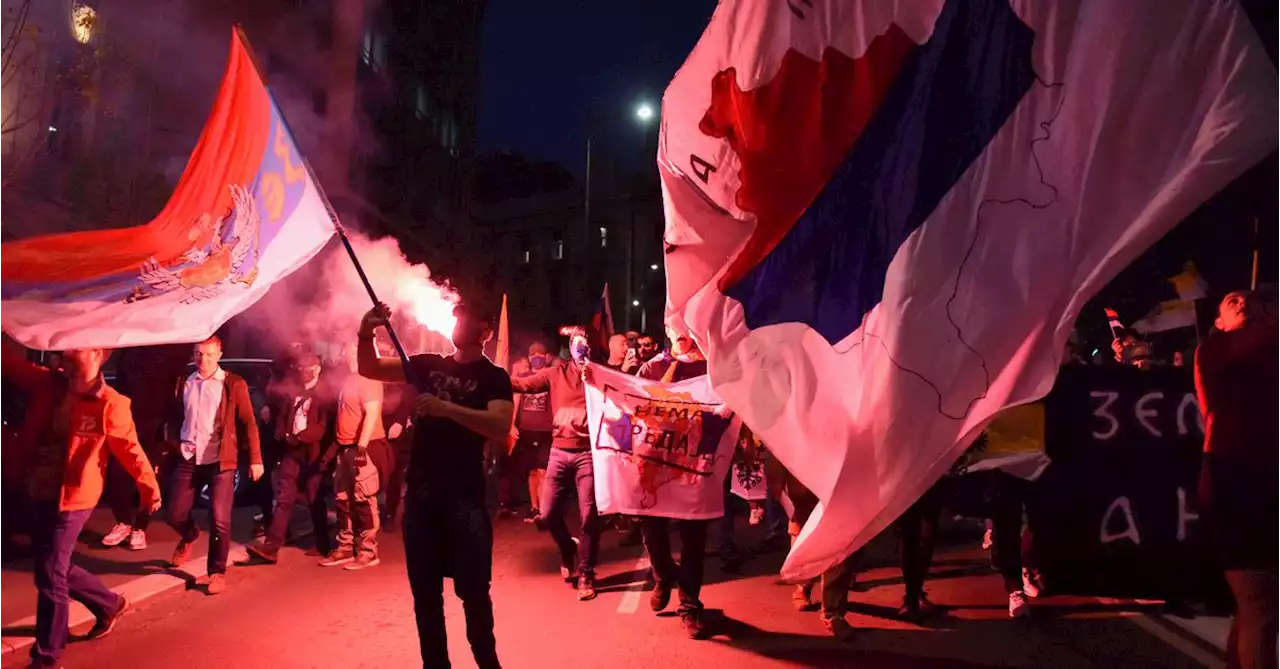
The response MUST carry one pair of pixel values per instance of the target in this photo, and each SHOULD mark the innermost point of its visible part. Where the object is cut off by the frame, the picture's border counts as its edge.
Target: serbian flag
(601, 323)
(244, 215)
(883, 217)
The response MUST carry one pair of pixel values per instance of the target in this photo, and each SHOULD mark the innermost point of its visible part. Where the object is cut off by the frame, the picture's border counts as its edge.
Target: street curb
(136, 591)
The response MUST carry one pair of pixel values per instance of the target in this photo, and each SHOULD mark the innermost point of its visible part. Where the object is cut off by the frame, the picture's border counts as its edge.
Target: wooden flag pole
(333, 218)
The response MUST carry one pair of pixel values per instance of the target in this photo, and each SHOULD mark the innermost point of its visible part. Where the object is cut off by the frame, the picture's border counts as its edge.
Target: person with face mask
(1236, 382)
(569, 465)
(528, 460)
(309, 450)
(464, 401)
(75, 421)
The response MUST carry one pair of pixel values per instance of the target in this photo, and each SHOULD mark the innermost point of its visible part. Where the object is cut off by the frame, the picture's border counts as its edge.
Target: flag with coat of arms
(245, 214)
(883, 217)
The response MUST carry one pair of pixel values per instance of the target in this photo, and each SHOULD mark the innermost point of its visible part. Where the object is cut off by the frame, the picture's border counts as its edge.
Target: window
(527, 256)
(604, 237)
(423, 106)
(374, 49)
(557, 249)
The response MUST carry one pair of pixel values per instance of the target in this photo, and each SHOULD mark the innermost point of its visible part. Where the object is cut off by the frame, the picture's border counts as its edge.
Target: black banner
(1114, 514)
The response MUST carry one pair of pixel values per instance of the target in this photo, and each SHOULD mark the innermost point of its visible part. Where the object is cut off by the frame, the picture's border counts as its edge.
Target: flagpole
(409, 374)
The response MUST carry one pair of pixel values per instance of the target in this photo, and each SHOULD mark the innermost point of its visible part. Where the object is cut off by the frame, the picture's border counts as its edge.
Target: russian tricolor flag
(883, 217)
(245, 214)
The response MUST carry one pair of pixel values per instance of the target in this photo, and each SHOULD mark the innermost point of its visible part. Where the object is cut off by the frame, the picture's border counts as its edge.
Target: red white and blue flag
(244, 215)
(883, 217)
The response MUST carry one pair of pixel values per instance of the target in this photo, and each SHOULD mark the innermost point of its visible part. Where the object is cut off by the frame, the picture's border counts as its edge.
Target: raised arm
(536, 383)
(368, 364)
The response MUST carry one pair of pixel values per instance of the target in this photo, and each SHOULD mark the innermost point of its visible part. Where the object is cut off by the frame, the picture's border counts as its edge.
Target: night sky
(546, 66)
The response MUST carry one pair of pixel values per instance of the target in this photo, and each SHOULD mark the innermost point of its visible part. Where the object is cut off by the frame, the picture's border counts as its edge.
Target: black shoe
(586, 588)
(104, 625)
(263, 552)
(693, 624)
(916, 607)
(660, 597)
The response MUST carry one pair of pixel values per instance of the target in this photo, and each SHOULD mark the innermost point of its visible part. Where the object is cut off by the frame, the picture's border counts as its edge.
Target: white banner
(659, 449)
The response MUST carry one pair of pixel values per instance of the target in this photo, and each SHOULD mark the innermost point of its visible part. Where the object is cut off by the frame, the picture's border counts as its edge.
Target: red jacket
(97, 421)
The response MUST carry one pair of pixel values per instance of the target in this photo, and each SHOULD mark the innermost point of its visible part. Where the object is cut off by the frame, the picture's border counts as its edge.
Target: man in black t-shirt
(464, 400)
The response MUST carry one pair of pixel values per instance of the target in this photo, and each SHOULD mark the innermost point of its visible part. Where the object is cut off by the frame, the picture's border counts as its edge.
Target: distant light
(644, 112)
(635, 303)
(53, 129)
(654, 267)
(83, 21)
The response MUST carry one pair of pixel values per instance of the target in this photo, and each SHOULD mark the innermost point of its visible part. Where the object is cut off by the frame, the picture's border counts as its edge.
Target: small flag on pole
(502, 357)
(602, 322)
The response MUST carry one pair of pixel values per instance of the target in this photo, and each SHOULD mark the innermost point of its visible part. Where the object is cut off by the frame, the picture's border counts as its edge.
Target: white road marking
(631, 598)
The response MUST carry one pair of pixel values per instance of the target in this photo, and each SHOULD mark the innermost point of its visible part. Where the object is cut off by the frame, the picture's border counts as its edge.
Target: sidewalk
(138, 575)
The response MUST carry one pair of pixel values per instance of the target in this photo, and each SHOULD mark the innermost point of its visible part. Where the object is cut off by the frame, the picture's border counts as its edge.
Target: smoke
(321, 305)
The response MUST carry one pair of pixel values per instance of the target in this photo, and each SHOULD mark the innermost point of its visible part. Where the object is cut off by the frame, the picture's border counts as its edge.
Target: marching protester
(359, 432)
(685, 361)
(305, 429)
(534, 424)
(1236, 383)
(569, 466)
(465, 401)
(76, 422)
(216, 418)
(646, 349)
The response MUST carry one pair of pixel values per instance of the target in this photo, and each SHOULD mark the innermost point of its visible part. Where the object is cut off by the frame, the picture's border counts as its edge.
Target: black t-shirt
(448, 458)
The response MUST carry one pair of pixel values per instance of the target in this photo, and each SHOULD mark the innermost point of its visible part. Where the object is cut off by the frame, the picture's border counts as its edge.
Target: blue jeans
(569, 470)
(58, 581)
(188, 479)
(453, 538)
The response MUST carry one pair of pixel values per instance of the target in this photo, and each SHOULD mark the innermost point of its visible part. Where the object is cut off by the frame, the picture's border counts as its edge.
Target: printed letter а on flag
(244, 215)
(883, 217)
(659, 449)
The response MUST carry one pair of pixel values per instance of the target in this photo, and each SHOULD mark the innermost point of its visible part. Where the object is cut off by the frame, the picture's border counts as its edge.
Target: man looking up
(464, 401)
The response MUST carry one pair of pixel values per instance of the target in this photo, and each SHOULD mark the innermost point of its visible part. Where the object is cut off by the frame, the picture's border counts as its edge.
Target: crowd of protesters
(378, 437)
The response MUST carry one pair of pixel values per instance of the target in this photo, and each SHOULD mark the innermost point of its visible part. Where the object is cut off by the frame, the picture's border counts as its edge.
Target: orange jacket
(99, 420)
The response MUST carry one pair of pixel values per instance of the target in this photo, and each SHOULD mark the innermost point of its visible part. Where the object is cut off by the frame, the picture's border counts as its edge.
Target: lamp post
(644, 115)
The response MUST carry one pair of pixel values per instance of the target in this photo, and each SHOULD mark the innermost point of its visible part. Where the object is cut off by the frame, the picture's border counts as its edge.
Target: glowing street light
(654, 267)
(644, 112)
(635, 303)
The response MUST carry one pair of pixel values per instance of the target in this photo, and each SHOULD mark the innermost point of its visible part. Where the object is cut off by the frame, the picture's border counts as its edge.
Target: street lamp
(644, 113)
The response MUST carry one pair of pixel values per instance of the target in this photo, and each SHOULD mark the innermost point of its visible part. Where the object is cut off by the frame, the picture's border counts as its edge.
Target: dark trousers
(188, 479)
(450, 538)
(58, 581)
(1252, 641)
(1006, 528)
(122, 495)
(725, 544)
(917, 530)
(567, 470)
(296, 477)
(262, 493)
(394, 490)
(383, 456)
(687, 575)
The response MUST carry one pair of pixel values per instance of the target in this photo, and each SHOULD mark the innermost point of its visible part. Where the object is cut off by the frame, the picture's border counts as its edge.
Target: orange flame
(428, 303)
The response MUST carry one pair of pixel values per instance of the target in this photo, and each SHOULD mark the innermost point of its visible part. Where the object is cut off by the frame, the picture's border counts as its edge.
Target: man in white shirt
(216, 414)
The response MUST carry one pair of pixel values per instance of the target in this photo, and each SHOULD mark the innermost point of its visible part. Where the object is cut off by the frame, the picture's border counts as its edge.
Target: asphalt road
(297, 614)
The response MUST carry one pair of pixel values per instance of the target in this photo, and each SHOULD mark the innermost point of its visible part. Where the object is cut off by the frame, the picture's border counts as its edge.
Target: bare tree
(29, 92)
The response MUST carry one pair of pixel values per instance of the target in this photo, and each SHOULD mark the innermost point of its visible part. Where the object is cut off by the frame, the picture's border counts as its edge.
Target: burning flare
(427, 303)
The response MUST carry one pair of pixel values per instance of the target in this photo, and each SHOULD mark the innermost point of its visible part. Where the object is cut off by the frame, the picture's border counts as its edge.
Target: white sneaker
(137, 540)
(117, 535)
(1018, 607)
(1029, 584)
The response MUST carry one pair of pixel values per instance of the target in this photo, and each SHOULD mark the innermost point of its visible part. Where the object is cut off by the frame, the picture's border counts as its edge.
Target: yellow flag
(503, 355)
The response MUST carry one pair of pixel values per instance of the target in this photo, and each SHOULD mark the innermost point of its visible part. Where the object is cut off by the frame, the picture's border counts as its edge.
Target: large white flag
(659, 449)
(245, 214)
(883, 217)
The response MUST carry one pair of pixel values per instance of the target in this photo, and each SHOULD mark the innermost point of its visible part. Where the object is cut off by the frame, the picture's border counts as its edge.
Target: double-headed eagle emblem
(204, 271)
